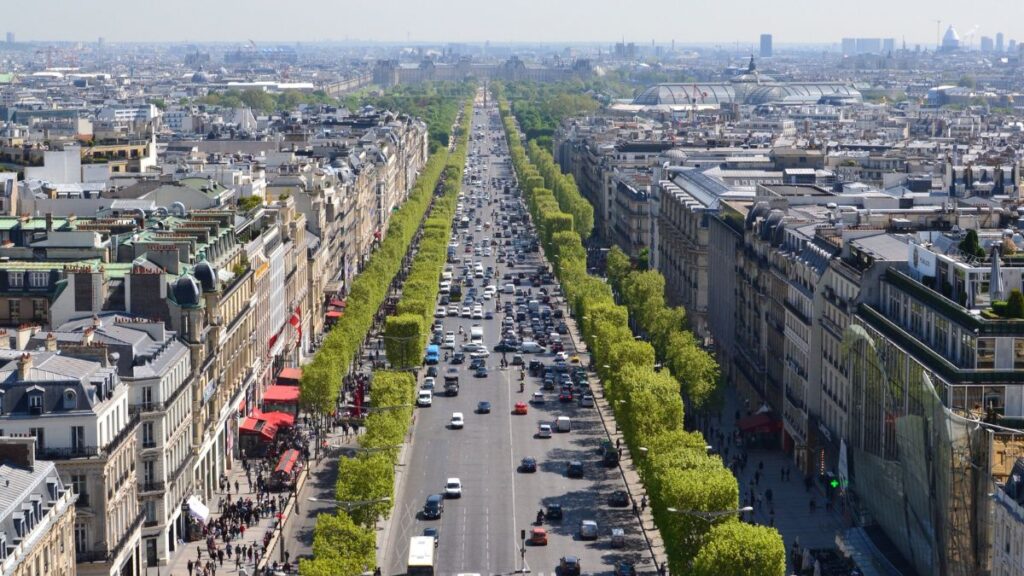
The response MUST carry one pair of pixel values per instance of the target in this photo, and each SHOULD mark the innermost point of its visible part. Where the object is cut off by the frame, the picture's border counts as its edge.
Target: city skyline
(465, 21)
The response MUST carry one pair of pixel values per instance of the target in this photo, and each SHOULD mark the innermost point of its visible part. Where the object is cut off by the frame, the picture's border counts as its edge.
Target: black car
(476, 363)
(433, 507)
(431, 532)
(574, 469)
(432, 371)
(483, 407)
(481, 372)
(458, 358)
(618, 499)
(528, 465)
(569, 566)
(554, 512)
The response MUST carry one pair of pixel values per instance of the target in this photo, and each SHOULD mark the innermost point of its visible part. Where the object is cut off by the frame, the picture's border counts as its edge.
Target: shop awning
(338, 303)
(290, 375)
(259, 426)
(334, 314)
(197, 509)
(279, 419)
(281, 394)
(759, 423)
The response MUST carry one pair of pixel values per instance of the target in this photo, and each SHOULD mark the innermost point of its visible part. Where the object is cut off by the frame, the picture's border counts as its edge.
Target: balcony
(151, 486)
(70, 453)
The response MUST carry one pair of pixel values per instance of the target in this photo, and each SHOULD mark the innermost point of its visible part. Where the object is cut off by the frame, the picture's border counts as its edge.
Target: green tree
(367, 477)
(966, 81)
(1015, 304)
(249, 202)
(340, 546)
(971, 246)
(403, 340)
(741, 549)
(618, 266)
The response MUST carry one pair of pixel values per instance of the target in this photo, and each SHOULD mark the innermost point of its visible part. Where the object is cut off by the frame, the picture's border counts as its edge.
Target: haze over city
(602, 21)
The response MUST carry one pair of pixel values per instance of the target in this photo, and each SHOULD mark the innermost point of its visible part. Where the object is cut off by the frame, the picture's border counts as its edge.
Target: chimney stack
(20, 451)
(87, 335)
(24, 366)
(51, 342)
(5, 340)
(96, 322)
(22, 336)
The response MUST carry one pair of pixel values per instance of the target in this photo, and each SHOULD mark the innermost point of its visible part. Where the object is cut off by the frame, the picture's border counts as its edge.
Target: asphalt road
(480, 532)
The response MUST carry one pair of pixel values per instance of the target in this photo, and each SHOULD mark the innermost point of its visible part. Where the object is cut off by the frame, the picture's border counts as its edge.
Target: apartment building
(78, 412)
(37, 528)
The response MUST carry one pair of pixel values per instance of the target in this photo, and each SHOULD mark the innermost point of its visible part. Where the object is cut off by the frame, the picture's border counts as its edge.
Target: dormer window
(70, 399)
(38, 279)
(15, 279)
(35, 402)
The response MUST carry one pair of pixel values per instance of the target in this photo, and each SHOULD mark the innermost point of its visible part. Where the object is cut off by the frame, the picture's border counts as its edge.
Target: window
(78, 438)
(986, 354)
(38, 279)
(81, 538)
(147, 435)
(70, 399)
(35, 403)
(15, 279)
(14, 309)
(39, 309)
(39, 433)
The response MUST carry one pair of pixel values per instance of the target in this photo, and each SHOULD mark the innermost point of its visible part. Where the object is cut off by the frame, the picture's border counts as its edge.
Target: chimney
(24, 366)
(87, 335)
(19, 451)
(96, 322)
(51, 342)
(22, 336)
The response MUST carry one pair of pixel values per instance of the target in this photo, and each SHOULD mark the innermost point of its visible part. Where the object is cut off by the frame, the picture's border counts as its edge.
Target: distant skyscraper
(766, 45)
(849, 46)
(889, 45)
(869, 46)
(999, 42)
(10, 37)
(987, 44)
(1012, 46)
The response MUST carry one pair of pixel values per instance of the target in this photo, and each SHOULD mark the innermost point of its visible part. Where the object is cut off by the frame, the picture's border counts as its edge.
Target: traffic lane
(585, 498)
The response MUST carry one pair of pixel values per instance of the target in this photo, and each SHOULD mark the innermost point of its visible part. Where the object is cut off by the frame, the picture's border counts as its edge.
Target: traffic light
(522, 534)
(834, 483)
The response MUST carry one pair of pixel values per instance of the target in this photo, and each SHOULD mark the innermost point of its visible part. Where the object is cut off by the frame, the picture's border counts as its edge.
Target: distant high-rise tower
(1011, 46)
(10, 37)
(888, 45)
(999, 42)
(766, 45)
(987, 44)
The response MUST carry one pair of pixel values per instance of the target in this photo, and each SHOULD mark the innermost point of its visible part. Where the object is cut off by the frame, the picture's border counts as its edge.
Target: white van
(476, 333)
(563, 424)
(425, 398)
(531, 347)
(510, 288)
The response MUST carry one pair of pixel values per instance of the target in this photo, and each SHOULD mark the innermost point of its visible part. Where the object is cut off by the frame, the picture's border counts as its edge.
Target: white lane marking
(512, 463)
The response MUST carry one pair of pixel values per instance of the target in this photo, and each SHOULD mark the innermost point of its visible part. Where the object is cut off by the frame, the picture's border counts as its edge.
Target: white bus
(421, 556)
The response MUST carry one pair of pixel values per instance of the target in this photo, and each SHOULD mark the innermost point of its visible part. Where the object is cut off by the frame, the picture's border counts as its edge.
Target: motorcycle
(540, 517)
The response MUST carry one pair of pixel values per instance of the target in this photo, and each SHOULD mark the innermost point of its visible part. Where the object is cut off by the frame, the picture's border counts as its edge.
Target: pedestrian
(636, 509)
(620, 453)
(237, 491)
(618, 442)
(199, 553)
(643, 503)
(190, 566)
(220, 556)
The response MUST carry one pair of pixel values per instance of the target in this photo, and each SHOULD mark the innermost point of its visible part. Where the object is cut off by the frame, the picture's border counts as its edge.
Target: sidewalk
(790, 498)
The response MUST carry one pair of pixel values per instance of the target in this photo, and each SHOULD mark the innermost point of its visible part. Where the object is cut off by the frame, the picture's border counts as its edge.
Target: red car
(538, 537)
(520, 408)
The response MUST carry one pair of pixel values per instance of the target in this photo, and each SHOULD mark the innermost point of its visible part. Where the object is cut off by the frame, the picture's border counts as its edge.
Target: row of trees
(563, 186)
(346, 542)
(676, 468)
(437, 103)
(265, 102)
(540, 108)
(643, 294)
(406, 332)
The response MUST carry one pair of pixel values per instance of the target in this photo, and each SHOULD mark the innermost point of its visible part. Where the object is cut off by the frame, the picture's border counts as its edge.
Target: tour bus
(421, 556)
(433, 354)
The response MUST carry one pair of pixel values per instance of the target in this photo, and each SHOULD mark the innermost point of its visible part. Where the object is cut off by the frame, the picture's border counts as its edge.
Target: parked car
(588, 530)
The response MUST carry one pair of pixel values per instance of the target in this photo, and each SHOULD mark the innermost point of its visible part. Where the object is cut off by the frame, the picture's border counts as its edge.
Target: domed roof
(206, 275)
(186, 291)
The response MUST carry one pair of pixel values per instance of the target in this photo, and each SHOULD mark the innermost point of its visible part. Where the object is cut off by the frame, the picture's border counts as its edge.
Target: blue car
(483, 407)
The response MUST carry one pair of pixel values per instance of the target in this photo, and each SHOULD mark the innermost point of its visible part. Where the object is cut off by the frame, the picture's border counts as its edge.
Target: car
(480, 372)
(528, 465)
(457, 421)
(441, 312)
(478, 313)
(453, 310)
(425, 398)
(433, 507)
(520, 409)
(569, 566)
(587, 401)
(625, 568)
(488, 315)
(565, 395)
(619, 499)
(483, 407)
(574, 469)
(554, 513)
(467, 311)
(453, 488)
(588, 530)
(449, 341)
(517, 359)
(477, 363)
(618, 538)
(428, 383)
(432, 371)
(544, 431)
(480, 352)
(538, 537)
(431, 532)
(537, 398)
(458, 358)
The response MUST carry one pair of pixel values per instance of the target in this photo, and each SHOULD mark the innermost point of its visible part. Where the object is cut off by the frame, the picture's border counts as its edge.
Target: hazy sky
(685, 21)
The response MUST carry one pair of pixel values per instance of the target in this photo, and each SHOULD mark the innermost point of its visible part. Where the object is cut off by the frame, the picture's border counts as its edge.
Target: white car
(453, 310)
(457, 420)
(588, 530)
(428, 383)
(467, 311)
(453, 488)
(425, 398)
(480, 352)
(478, 313)
(544, 431)
(440, 312)
(537, 398)
(449, 341)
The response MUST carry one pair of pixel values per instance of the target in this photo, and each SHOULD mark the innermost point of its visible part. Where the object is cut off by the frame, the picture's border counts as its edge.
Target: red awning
(281, 394)
(338, 303)
(291, 373)
(334, 314)
(759, 423)
(267, 430)
(279, 419)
